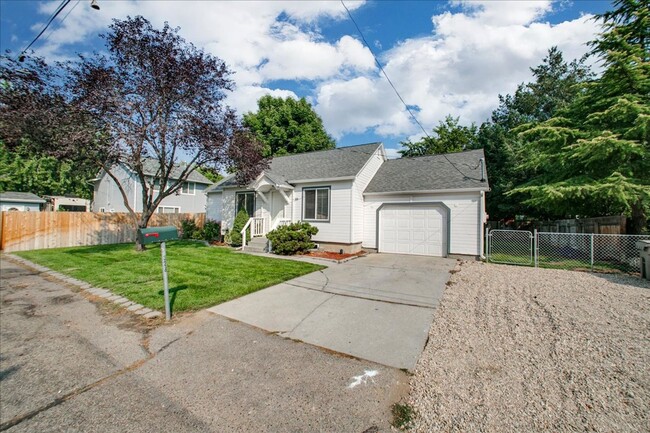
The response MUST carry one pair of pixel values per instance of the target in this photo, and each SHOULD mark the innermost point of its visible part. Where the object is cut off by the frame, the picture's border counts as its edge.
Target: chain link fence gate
(574, 251)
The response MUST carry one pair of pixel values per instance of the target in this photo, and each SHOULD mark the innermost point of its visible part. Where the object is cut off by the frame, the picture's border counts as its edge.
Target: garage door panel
(413, 229)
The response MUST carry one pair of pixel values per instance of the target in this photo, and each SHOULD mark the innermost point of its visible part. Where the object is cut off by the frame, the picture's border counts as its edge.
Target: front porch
(269, 203)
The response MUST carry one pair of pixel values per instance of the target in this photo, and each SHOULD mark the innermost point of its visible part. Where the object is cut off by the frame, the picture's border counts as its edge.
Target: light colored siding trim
(464, 230)
(338, 228)
(108, 196)
(361, 182)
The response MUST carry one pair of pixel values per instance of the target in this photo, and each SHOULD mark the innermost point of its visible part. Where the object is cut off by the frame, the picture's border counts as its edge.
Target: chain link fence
(575, 251)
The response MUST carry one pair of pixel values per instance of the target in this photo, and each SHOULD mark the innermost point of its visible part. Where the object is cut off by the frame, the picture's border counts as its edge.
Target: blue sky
(444, 57)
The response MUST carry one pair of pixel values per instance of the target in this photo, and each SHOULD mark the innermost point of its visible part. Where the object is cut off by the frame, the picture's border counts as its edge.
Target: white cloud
(472, 57)
(246, 97)
(260, 41)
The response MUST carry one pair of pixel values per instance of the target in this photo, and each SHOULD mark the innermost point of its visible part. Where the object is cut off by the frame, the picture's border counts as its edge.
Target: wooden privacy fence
(21, 231)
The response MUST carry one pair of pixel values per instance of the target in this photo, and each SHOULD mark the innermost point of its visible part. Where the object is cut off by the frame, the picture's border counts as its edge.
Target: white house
(107, 197)
(20, 201)
(357, 198)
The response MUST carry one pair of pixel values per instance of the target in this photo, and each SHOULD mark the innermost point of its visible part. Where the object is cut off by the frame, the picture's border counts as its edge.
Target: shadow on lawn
(172, 295)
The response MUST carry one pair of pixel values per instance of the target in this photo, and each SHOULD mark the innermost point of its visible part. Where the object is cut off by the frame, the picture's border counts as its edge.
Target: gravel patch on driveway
(515, 349)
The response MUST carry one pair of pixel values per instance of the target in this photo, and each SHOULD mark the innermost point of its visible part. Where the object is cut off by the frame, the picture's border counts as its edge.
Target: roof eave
(430, 191)
(325, 179)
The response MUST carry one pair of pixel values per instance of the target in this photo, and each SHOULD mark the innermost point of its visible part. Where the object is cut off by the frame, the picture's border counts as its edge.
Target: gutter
(429, 191)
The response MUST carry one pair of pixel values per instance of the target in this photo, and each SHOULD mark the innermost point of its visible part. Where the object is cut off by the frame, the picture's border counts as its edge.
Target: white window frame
(160, 209)
(329, 203)
(102, 209)
(192, 184)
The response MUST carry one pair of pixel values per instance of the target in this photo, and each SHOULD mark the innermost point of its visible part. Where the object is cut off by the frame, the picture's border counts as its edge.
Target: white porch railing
(258, 228)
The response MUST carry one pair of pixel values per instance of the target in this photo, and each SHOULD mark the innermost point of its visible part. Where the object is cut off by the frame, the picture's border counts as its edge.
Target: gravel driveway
(515, 349)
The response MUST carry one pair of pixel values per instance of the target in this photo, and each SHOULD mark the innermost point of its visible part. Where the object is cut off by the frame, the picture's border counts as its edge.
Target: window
(316, 205)
(102, 209)
(246, 201)
(169, 209)
(188, 188)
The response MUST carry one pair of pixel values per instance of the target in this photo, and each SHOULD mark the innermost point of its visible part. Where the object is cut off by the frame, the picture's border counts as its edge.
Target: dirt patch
(63, 299)
(517, 349)
(333, 256)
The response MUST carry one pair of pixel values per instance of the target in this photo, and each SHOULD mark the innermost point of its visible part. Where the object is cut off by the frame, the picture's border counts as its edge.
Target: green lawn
(199, 276)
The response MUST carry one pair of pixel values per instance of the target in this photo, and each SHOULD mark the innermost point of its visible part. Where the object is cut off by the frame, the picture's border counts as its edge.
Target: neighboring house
(20, 201)
(66, 203)
(430, 205)
(107, 197)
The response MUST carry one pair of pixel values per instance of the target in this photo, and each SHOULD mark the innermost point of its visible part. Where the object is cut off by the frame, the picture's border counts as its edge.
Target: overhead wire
(56, 13)
(381, 68)
(61, 21)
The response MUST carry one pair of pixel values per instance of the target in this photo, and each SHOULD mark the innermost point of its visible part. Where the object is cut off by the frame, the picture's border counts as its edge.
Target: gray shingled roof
(25, 197)
(430, 173)
(323, 164)
(151, 166)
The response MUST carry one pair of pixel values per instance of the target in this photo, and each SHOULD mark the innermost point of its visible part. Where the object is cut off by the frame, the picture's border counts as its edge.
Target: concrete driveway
(378, 307)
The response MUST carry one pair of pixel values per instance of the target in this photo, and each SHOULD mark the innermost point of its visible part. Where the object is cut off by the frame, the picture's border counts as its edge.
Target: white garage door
(413, 229)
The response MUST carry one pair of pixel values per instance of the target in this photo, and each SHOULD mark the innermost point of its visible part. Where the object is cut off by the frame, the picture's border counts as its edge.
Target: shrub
(292, 238)
(212, 231)
(189, 229)
(240, 221)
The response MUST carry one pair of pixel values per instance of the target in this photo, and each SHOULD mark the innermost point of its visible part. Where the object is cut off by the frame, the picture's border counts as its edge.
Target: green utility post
(160, 234)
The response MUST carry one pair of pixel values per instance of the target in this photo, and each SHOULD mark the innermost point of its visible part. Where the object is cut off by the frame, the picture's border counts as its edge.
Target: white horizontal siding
(213, 206)
(360, 183)
(465, 227)
(228, 205)
(339, 227)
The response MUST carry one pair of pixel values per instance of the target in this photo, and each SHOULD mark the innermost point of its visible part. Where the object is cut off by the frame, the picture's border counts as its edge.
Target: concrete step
(257, 245)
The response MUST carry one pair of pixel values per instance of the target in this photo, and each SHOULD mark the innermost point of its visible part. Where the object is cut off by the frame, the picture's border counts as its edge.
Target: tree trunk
(637, 219)
(142, 224)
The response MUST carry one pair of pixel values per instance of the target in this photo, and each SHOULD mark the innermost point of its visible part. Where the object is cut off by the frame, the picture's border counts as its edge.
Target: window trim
(159, 209)
(329, 203)
(188, 189)
(237, 193)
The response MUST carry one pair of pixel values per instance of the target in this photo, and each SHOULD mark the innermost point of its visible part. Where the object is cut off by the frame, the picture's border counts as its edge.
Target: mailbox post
(155, 235)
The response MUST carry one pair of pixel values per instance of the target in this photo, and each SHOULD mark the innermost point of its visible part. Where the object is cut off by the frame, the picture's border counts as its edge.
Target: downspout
(481, 210)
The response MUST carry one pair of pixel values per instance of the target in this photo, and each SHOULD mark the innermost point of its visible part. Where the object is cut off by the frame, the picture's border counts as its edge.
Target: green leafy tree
(593, 158)
(42, 175)
(287, 126)
(448, 137)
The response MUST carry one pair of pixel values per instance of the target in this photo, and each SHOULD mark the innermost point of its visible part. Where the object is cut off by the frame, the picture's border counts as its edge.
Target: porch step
(257, 245)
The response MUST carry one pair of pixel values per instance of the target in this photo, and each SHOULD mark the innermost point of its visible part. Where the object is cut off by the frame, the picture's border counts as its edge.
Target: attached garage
(409, 228)
(428, 205)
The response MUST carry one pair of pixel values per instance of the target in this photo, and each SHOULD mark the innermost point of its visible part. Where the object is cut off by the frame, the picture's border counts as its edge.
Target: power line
(381, 68)
(62, 19)
(56, 13)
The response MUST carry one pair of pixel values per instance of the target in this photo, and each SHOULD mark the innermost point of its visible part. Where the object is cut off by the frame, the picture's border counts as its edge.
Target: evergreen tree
(593, 158)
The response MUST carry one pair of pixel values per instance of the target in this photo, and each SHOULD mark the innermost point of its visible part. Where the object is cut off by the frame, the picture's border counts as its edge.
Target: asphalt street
(70, 362)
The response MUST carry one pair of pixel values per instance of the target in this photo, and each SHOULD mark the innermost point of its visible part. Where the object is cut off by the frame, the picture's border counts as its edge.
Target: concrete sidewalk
(378, 307)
